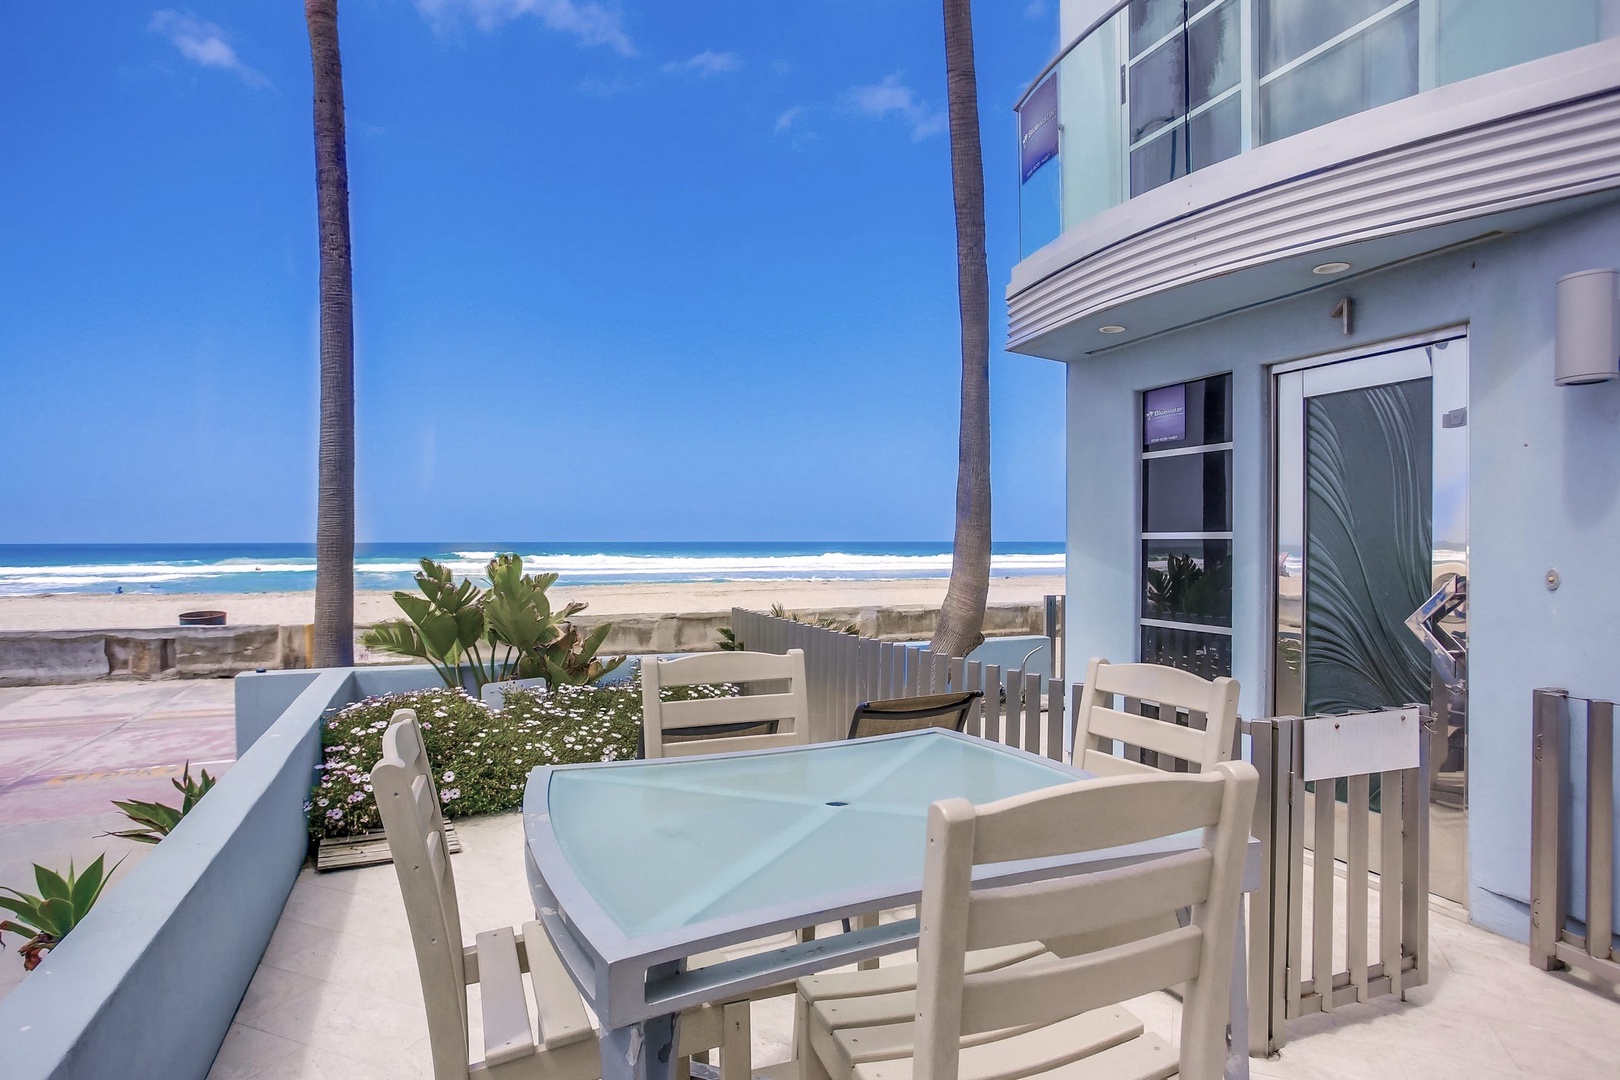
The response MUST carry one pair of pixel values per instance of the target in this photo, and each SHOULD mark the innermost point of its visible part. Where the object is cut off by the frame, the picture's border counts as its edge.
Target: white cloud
(892, 96)
(204, 44)
(1035, 9)
(705, 64)
(782, 67)
(788, 118)
(589, 22)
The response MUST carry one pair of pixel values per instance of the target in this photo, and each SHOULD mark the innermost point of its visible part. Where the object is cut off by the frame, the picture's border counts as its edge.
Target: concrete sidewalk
(67, 751)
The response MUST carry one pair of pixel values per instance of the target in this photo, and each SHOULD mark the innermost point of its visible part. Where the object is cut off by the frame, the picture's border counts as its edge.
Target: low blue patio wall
(147, 985)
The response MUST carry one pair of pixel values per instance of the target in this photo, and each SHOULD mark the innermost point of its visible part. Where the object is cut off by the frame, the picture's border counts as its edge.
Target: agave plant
(571, 659)
(157, 819)
(824, 622)
(62, 904)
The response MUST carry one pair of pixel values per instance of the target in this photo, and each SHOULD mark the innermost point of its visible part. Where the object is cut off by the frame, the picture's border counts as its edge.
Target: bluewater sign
(1164, 414)
(1038, 128)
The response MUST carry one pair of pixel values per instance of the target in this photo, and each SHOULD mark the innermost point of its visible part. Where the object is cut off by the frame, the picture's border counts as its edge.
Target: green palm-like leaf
(396, 636)
(416, 608)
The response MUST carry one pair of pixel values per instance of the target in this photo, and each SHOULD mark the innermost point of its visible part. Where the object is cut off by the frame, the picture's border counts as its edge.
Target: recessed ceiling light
(1111, 329)
(1330, 268)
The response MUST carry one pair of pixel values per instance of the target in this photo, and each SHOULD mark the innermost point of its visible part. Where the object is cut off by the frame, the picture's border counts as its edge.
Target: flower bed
(481, 758)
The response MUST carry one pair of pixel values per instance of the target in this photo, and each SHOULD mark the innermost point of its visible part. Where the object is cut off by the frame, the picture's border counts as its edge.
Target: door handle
(1449, 653)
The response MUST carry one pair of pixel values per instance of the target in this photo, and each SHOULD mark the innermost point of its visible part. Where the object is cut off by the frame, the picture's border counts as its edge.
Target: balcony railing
(1155, 89)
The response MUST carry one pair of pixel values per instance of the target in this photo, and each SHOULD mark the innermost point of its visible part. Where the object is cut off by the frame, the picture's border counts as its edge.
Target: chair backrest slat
(1003, 998)
(705, 712)
(1090, 815)
(1061, 907)
(1206, 739)
(408, 801)
(719, 725)
(1162, 738)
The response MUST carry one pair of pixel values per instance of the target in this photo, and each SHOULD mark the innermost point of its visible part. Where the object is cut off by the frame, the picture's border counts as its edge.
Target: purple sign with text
(1038, 129)
(1164, 414)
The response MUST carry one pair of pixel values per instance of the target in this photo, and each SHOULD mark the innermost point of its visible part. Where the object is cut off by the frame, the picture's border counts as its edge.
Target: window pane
(1187, 493)
(1207, 408)
(1159, 161)
(1473, 35)
(1215, 135)
(1292, 28)
(1158, 88)
(1213, 44)
(1152, 19)
(1205, 655)
(1188, 581)
(1364, 72)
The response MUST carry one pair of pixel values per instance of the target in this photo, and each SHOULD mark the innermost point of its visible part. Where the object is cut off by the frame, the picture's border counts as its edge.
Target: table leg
(644, 1051)
(1237, 1032)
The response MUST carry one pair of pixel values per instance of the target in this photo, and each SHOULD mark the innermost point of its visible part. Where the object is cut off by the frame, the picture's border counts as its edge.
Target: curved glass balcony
(1161, 88)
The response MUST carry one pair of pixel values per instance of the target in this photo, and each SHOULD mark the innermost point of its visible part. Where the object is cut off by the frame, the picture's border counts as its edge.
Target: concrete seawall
(46, 657)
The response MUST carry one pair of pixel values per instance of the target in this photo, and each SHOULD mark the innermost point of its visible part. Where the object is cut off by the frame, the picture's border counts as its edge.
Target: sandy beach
(106, 611)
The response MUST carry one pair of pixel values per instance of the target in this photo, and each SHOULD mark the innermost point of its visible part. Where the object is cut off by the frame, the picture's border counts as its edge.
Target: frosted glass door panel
(1368, 546)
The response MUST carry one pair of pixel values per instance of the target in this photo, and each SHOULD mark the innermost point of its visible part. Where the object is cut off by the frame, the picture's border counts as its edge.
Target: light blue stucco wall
(1544, 485)
(146, 987)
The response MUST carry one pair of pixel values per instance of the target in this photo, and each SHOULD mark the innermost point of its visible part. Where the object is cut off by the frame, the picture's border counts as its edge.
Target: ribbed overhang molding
(1524, 153)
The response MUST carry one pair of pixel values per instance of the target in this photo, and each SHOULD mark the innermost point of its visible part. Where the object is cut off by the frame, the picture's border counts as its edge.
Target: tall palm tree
(334, 521)
(961, 620)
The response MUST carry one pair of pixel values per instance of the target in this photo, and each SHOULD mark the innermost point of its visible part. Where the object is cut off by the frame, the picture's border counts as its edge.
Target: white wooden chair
(1049, 1016)
(1097, 720)
(1171, 690)
(565, 1046)
(721, 725)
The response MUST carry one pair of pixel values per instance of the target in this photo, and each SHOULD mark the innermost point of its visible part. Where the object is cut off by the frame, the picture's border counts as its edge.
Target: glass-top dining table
(637, 866)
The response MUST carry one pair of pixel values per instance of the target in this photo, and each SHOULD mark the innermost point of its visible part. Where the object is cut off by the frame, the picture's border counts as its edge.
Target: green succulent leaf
(87, 887)
(51, 884)
(56, 916)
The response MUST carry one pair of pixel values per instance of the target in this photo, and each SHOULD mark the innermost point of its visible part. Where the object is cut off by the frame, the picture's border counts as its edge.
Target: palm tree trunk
(961, 620)
(334, 521)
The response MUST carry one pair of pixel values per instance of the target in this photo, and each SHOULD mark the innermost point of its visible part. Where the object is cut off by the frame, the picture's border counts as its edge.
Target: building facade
(1305, 263)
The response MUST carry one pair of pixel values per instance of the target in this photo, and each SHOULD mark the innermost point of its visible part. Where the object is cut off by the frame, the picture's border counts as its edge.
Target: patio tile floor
(336, 994)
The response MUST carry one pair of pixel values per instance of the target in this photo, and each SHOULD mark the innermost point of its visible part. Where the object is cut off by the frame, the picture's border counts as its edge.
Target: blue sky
(626, 270)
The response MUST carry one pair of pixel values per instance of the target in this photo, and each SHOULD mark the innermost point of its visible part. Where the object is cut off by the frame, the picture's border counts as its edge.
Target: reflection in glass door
(1372, 550)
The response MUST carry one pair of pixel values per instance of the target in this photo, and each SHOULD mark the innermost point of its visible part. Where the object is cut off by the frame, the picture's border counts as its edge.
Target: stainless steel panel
(1599, 828)
(1548, 892)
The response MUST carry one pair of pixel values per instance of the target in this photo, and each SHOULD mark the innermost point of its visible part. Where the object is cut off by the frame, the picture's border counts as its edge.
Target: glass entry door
(1372, 557)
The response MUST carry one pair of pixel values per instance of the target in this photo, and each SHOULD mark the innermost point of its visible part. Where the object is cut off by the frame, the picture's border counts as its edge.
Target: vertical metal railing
(1295, 964)
(1018, 708)
(1553, 803)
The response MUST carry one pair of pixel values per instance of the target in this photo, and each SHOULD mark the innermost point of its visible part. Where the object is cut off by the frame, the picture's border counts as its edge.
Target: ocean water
(241, 568)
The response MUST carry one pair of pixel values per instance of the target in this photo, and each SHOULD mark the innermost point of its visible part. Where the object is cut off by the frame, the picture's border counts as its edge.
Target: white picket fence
(843, 670)
(1285, 926)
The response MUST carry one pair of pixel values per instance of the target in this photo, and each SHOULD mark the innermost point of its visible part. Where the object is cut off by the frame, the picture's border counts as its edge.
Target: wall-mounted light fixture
(1588, 347)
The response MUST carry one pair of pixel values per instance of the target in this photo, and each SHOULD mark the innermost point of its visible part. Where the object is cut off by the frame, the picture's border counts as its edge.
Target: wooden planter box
(367, 849)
